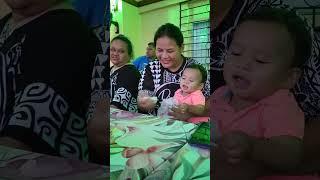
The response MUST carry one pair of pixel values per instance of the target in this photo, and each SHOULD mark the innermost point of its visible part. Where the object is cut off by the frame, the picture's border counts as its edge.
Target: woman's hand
(97, 132)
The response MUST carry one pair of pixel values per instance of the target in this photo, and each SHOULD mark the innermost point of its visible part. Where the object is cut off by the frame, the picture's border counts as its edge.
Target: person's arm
(53, 89)
(146, 88)
(136, 63)
(126, 89)
(200, 110)
(13, 143)
(222, 170)
(309, 164)
(184, 113)
(198, 106)
(279, 153)
(311, 147)
(97, 133)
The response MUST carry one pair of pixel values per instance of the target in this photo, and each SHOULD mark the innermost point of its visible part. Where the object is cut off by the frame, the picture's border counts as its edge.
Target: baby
(191, 84)
(255, 112)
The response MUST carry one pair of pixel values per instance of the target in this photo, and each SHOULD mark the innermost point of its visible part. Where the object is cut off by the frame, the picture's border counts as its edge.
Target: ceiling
(139, 3)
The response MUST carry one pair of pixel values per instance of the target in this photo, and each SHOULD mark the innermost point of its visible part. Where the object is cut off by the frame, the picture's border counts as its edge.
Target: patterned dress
(160, 82)
(45, 73)
(124, 88)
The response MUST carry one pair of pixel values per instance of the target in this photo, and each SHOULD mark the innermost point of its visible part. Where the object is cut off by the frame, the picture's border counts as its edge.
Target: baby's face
(259, 60)
(191, 80)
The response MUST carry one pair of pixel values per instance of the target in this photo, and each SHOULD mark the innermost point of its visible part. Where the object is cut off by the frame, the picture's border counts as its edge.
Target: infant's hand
(180, 112)
(180, 108)
(237, 146)
(183, 108)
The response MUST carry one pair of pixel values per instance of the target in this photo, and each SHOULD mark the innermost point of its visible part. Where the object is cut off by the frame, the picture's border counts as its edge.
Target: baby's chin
(249, 95)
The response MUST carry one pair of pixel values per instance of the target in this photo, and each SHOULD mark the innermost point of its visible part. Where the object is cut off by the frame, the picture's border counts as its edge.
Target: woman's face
(119, 53)
(169, 53)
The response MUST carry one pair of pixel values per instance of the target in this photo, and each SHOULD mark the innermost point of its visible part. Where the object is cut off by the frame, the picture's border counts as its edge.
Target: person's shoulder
(281, 98)
(130, 68)
(54, 17)
(140, 58)
(64, 27)
(197, 93)
(154, 65)
(4, 19)
(64, 22)
(222, 89)
(221, 92)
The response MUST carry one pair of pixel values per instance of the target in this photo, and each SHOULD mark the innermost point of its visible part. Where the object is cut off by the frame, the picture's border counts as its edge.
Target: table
(149, 147)
(24, 165)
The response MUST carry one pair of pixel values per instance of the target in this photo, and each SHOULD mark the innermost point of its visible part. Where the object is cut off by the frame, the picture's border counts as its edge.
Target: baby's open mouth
(240, 81)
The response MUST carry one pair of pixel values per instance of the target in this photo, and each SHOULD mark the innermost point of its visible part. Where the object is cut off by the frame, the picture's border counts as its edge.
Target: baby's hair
(202, 70)
(295, 25)
(171, 31)
(126, 40)
(151, 44)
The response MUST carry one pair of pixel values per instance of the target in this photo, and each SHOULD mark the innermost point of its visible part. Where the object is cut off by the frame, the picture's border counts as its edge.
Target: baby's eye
(234, 53)
(262, 61)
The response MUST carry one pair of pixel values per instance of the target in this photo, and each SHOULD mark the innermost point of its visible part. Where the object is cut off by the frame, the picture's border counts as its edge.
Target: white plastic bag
(166, 106)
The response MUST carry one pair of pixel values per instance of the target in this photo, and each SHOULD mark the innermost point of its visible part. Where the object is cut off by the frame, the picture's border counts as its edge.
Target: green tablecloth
(149, 147)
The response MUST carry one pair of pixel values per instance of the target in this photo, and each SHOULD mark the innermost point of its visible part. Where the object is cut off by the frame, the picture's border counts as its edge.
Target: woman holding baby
(161, 79)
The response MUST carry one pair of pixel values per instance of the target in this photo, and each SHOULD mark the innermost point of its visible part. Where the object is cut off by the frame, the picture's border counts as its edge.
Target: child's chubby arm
(280, 147)
(227, 167)
(239, 156)
(282, 123)
(280, 153)
(198, 109)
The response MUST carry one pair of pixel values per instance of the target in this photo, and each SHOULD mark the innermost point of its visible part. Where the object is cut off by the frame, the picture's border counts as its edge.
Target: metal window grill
(195, 27)
(311, 13)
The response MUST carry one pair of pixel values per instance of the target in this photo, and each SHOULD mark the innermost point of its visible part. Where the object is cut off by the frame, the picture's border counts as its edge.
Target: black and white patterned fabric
(45, 73)
(307, 91)
(124, 88)
(160, 82)
(100, 81)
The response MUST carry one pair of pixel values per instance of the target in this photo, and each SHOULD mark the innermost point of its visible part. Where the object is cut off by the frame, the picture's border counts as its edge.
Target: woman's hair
(171, 31)
(201, 69)
(298, 30)
(126, 40)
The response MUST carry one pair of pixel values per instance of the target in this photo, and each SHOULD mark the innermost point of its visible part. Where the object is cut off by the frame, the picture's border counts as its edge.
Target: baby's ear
(293, 77)
(201, 86)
